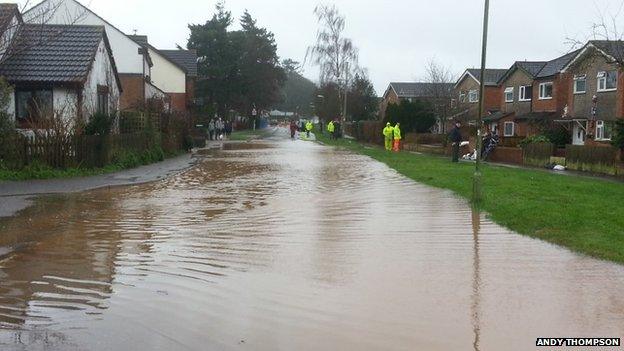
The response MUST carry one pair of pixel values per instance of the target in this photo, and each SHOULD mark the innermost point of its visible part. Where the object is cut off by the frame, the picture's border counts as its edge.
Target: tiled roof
(555, 66)
(614, 48)
(492, 76)
(532, 67)
(53, 53)
(184, 58)
(140, 39)
(417, 90)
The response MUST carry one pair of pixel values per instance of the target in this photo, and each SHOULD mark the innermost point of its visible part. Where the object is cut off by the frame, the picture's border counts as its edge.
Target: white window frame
(513, 129)
(462, 97)
(509, 90)
(602, 80)
(601, 127)
(581, 77)
(523, 92)
(542, 91)
(473, 94)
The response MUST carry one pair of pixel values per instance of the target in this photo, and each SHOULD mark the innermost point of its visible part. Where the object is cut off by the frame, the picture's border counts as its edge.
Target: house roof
(492, 76)
(416, 90)
(614, 48)
(54, 54)
(496, 116)
(184, 58)
(555, 66)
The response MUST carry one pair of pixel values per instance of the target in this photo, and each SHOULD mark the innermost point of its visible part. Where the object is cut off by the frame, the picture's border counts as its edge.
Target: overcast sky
(395, 38)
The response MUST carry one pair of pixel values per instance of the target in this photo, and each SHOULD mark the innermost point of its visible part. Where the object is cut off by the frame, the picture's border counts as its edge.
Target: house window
(607, 80)
(462, 97)
(509, 94)
(102, 100)
(32, 104)
(473, 96)
(580, 84)
(510, 129)
(546, 91)
(526, 93)
(603, 130)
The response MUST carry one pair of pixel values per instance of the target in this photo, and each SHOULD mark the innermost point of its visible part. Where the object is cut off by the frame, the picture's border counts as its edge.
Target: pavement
(18, 195)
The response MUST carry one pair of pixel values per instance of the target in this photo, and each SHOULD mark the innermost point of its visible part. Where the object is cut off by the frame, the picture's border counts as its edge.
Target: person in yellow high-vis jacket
(309, 126)
(388, 133)
(397, 137)
(331, 128)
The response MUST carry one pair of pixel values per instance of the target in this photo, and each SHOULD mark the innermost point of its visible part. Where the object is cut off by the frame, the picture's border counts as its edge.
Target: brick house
(66, 71)
(466, 94)
(596, 97)
(133, 61)
(438, 94)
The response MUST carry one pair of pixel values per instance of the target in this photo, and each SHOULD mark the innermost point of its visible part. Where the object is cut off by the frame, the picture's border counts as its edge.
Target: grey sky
(395, 38)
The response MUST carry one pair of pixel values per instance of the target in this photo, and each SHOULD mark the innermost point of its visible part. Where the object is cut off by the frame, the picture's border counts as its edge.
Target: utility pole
(346, 93)
(477, 195)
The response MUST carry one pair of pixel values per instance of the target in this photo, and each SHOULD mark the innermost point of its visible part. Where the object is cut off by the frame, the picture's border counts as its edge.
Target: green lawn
(585, 215)
(248, 134)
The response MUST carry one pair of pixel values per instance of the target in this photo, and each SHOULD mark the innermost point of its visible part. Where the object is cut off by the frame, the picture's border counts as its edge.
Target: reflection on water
(289, 247)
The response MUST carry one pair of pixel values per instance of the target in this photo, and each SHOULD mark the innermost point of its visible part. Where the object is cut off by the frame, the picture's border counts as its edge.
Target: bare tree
(440, 90)
(335, 54)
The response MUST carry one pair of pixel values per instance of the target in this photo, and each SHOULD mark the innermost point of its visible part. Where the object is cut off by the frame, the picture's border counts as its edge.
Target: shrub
(100, 124)
(618, 134)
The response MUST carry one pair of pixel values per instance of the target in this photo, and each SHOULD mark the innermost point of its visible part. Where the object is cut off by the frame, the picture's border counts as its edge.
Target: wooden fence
(86, 151)
(538, 154)
(596, 159)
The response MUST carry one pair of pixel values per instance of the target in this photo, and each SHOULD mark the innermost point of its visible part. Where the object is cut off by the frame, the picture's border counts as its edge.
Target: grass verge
(248, 134)
(125, 160)
(582, 214)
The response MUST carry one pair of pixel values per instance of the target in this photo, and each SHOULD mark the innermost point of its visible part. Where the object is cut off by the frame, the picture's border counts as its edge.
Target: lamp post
(477, 195)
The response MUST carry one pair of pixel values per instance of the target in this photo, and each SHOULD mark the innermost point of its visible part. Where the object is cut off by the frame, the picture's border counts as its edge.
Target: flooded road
(281, 245)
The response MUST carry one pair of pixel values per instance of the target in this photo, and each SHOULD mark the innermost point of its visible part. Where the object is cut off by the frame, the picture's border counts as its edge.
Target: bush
(558, 136)
(618, 134)
(534, 139)
(100, 124)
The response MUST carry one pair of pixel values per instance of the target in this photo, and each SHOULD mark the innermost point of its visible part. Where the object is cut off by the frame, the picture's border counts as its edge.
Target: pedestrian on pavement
(228, 129)
(456, 139)
(397, 137)
(211, 129)
(293, 129)
(309, 126)
(220, 128)
(331, 128)
(388, 133)
(337, 129)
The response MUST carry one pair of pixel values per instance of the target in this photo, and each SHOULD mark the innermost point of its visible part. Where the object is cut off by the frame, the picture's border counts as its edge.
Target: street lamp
(477, 195)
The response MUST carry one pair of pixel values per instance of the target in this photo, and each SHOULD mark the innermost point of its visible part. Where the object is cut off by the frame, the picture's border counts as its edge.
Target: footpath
(17, 195)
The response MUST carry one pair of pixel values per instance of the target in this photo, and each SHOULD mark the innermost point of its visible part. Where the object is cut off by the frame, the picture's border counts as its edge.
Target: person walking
(456, 139)
(331, 129)
(388, 133)
(309, 126)
(293, 129)
(220, 129)
(397, 137)
(211, 129)
(228, 129)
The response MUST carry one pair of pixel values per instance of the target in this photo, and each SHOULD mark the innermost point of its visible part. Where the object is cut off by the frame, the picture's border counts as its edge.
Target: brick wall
(133, 94)
(178, 102)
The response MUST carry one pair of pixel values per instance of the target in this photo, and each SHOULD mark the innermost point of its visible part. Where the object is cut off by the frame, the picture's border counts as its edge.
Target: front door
(579, 132)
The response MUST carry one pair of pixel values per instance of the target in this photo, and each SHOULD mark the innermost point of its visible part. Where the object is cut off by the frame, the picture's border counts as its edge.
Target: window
(509, 94)
(580, 84)
(462, 97)
(546, 91)
(603, 130)
(102, 99)
(473, 96)
(31, 105)
(510, 129)
(607, 80)
(526, 93)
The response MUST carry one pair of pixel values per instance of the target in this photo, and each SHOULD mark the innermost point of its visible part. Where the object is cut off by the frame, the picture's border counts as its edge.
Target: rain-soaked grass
(248, 134)
(583, 214)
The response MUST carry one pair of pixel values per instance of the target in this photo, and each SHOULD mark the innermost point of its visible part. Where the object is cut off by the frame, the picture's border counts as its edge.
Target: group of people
(219, 129)
(333, 128)
(489, 144)
(392, 136)
(306, 127)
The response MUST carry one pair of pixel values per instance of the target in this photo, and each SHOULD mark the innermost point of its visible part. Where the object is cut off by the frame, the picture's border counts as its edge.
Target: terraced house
(467, 89)
(596, 99)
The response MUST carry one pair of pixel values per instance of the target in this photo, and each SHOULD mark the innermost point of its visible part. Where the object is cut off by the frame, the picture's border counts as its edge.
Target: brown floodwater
(282, 245)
